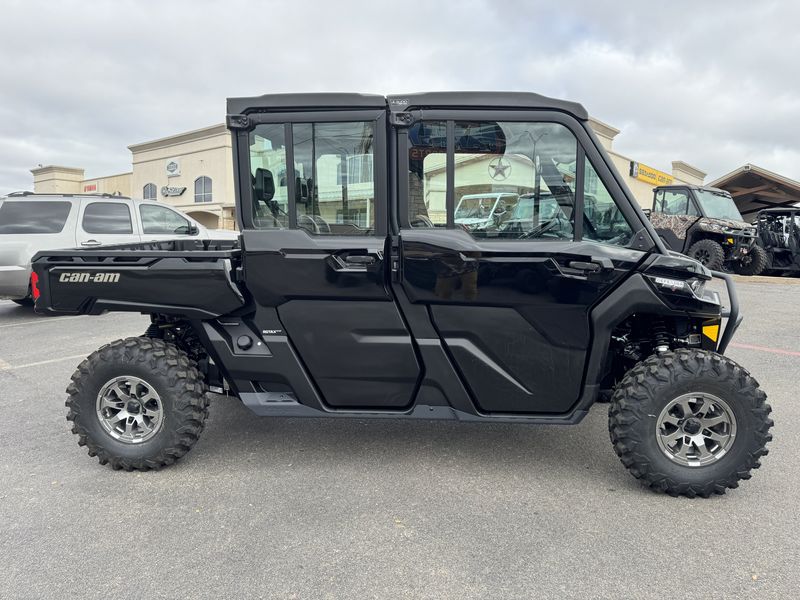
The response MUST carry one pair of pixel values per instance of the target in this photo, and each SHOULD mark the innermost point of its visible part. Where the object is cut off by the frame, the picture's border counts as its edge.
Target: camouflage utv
(704, 223)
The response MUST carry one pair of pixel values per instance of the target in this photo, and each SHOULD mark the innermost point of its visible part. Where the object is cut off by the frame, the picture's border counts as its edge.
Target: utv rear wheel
(708, 253)
(752, 263)
(689, 423)
(137, 403)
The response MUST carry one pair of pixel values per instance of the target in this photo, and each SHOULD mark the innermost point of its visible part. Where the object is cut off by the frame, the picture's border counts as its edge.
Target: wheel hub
(692, 426)
(696, 429)
(129, 409)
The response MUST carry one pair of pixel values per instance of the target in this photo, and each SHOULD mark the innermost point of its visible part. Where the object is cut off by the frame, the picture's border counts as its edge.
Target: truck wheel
(689, 423)
(708, 253)
(753, 263)
(137, 403)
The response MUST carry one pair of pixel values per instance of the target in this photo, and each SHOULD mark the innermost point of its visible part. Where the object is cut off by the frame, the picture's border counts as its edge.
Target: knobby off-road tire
(708, 253)
(640, 421)
(134, 378)
(753, 263)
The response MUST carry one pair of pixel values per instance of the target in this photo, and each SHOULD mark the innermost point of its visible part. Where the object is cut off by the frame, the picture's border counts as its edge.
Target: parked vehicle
(779, 235)
(704, 223)
(374, 317)
(31, 222)
(484, 214)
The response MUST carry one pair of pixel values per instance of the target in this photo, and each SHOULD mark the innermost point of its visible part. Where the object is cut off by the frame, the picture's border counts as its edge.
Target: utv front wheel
(689, 423)
(137, 403)
(708, 253)
(753, 263)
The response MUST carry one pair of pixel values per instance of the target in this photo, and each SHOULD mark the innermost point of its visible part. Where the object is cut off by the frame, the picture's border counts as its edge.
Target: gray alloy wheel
(696, 429)
(129, 409)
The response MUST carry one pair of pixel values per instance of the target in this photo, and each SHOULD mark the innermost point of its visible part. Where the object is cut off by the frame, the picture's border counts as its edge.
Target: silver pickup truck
(30, 223)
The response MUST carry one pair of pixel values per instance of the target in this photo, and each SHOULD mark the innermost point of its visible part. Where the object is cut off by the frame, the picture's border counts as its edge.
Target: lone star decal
(499, 168)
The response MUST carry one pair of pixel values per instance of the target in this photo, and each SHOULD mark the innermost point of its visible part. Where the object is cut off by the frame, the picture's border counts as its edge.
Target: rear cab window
(33, 216)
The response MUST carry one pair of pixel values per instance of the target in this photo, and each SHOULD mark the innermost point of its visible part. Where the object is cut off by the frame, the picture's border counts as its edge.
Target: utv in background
(484, 213)
(704, 223)
(779, 234)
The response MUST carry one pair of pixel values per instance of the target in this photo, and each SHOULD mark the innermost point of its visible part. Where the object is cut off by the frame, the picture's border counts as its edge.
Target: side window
(512, 180)
(158, 219)
(334, 177)
(603, 222)
(268, 175)
(149, 192)
(107, 217)
(515, 180)
(33, 216)
(427, 174)
(672, 202)
(202, 189)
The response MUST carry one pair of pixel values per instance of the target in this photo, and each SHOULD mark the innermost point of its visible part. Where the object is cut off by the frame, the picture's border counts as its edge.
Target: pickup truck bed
(193, 278)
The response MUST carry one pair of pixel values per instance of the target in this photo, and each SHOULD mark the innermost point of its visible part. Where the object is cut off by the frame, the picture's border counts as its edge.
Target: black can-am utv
(354, 293)
(779, 234)
(705, 224)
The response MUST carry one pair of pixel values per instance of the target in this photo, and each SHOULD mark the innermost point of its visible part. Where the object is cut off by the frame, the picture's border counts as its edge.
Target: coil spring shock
(660, 336)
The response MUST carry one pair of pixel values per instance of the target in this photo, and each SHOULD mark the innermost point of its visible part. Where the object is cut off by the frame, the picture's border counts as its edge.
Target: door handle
(91, 243)
(596, 265)
(359, 259)
(580, 265)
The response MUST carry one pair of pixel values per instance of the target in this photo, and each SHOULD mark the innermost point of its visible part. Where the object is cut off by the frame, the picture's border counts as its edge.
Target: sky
(714, 84)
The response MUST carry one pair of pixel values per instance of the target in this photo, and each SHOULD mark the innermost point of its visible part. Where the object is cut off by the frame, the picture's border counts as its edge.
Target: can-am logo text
(89, 277)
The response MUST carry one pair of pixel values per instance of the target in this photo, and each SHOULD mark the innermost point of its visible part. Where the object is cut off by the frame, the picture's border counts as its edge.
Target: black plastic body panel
(191, 278)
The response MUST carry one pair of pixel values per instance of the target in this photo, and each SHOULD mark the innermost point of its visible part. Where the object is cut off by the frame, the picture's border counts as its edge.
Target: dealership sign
(173, 167)
(172, 191)
(649, 174)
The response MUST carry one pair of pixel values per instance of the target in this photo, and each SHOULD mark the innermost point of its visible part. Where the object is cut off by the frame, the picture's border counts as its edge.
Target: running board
(283, 404)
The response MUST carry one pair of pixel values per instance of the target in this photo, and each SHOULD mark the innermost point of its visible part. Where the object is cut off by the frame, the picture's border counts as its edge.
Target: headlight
(694, 286)
(698, 287)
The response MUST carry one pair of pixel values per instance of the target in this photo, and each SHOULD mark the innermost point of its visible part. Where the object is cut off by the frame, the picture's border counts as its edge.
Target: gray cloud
(710, 83)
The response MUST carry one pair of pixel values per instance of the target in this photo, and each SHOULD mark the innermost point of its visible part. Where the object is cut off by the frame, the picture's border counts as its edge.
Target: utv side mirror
(647, 212)
(264, 185)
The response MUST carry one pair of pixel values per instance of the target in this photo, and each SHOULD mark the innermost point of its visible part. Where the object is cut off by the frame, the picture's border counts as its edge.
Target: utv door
(513, 311)
(314, 196)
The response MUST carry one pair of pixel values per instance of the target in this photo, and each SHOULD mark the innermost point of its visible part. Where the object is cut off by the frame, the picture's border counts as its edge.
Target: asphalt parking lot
(291, 508)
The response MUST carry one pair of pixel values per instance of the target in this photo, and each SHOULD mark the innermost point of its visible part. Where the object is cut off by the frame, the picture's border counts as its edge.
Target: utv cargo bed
(144, 277)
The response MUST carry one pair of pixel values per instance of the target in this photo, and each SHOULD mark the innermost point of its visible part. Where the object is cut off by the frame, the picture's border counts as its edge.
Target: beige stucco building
(193, 171)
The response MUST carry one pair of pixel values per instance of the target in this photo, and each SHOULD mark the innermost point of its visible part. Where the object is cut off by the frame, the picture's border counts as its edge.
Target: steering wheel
(313, 224)
(421, 221)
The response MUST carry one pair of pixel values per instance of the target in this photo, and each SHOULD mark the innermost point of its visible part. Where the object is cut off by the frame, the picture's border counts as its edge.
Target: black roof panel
(401, 102)
(239, 106)
(519, 100)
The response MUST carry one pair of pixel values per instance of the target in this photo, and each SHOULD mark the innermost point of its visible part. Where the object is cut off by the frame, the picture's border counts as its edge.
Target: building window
(150, 192)
(202, 189)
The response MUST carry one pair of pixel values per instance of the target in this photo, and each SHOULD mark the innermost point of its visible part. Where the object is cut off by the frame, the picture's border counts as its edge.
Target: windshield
(718, 206)
(476, 207)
